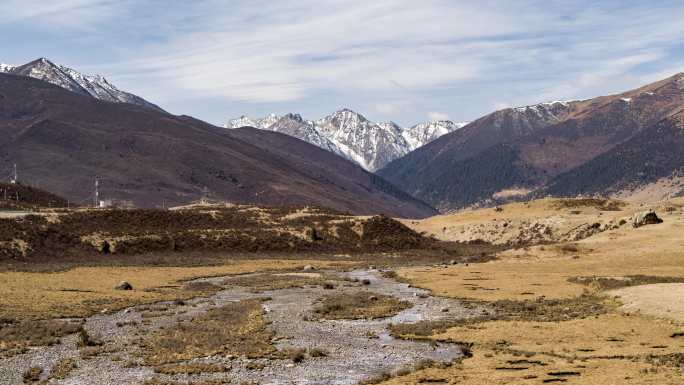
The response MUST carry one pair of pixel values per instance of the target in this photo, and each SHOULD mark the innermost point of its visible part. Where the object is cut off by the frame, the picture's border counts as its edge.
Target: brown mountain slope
(524, 148)
(655, 153)
(62, 141)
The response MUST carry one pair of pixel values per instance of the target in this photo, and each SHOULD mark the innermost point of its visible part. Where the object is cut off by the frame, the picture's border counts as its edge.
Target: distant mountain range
(95, 86)
(64, 128)
(349, 134)
(613, 146)
(63, 140)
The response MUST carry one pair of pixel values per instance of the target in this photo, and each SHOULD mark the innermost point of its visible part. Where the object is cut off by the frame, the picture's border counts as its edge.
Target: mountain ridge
(351, 135)
(95, 86)
(64, 140)
(540, 143)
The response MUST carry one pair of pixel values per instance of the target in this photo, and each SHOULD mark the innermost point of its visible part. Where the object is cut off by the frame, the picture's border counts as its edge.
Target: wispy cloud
(58, 13)
(397, 59)
(436, 115)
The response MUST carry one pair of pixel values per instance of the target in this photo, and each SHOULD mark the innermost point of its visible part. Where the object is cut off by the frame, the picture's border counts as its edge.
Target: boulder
(123, 285)
(311, 234)
(309, 268)
(646, 218)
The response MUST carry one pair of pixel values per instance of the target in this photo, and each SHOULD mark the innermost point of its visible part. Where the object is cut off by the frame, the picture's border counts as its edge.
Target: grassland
(624, 345)
(83, 291)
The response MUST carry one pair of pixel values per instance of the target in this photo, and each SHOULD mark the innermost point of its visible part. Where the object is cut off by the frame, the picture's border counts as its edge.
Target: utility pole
(97, 192)
(16, 178)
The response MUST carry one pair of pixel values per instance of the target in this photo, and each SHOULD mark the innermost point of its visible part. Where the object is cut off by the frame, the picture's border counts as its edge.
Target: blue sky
(406, 61)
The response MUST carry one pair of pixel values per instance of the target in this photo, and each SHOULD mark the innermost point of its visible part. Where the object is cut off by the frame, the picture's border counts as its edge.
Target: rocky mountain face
(95, 86)
(63, 140)
(549, 148)
(349, 134)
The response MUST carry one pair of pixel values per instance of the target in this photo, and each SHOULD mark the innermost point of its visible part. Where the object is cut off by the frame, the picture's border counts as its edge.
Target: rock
(453, 262)
(311, 235)
(373, 298)
(444, 310)
(646, 218)
(309, 268)
(372, 267)
(123, 285)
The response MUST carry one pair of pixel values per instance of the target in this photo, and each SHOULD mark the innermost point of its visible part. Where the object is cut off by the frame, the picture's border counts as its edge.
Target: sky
(405, 61)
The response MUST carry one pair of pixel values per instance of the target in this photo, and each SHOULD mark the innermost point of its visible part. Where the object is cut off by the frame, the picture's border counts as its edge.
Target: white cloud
(57, 13)
(285, 51)
(394, 56)
(434, 115)
(387, 108)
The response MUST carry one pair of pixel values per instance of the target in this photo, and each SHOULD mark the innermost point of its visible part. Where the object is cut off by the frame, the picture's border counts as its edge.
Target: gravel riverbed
(356, 349)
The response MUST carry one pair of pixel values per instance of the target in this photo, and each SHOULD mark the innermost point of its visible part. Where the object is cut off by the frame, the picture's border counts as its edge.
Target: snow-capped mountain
(349, 134)
(424, 133)
(244, 121)
(67, 78)
(371, 145)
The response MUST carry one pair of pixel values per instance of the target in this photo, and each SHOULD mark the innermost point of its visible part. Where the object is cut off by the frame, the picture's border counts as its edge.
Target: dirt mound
(381, 232)
(237, 229)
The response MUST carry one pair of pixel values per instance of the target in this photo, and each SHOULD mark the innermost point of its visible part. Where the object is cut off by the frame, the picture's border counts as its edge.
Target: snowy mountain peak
(244, 121)
(95, 86)
(349, 134)
(294, 117)
(424, 133)
(6, 67)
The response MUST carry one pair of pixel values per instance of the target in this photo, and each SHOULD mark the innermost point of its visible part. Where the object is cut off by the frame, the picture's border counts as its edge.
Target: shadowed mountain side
(63, 141)
(530, 146)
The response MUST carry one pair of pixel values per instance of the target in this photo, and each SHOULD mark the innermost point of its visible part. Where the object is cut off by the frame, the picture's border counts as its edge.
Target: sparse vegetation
(264, 282)
(359, 305)
(318, 352)
(85, 340)
(611, 283)
(597, 203)
(15, 337)
(32, 374)
(294, 354)
(539, 310)
(62, 368)
(191, 368)
(237, 328)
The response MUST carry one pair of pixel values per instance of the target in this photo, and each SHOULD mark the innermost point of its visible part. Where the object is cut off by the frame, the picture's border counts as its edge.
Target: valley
(155, 241)
(448, 299)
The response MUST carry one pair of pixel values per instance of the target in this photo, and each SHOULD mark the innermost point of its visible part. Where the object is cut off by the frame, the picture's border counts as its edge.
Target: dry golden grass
(237, 328)
(613, 348)
(16, 337)
(191, 368)
(62, 368)
(360, 305)
(83, 291)
(656, 250)
(32, 374)
(273, 281)
(488, 368)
